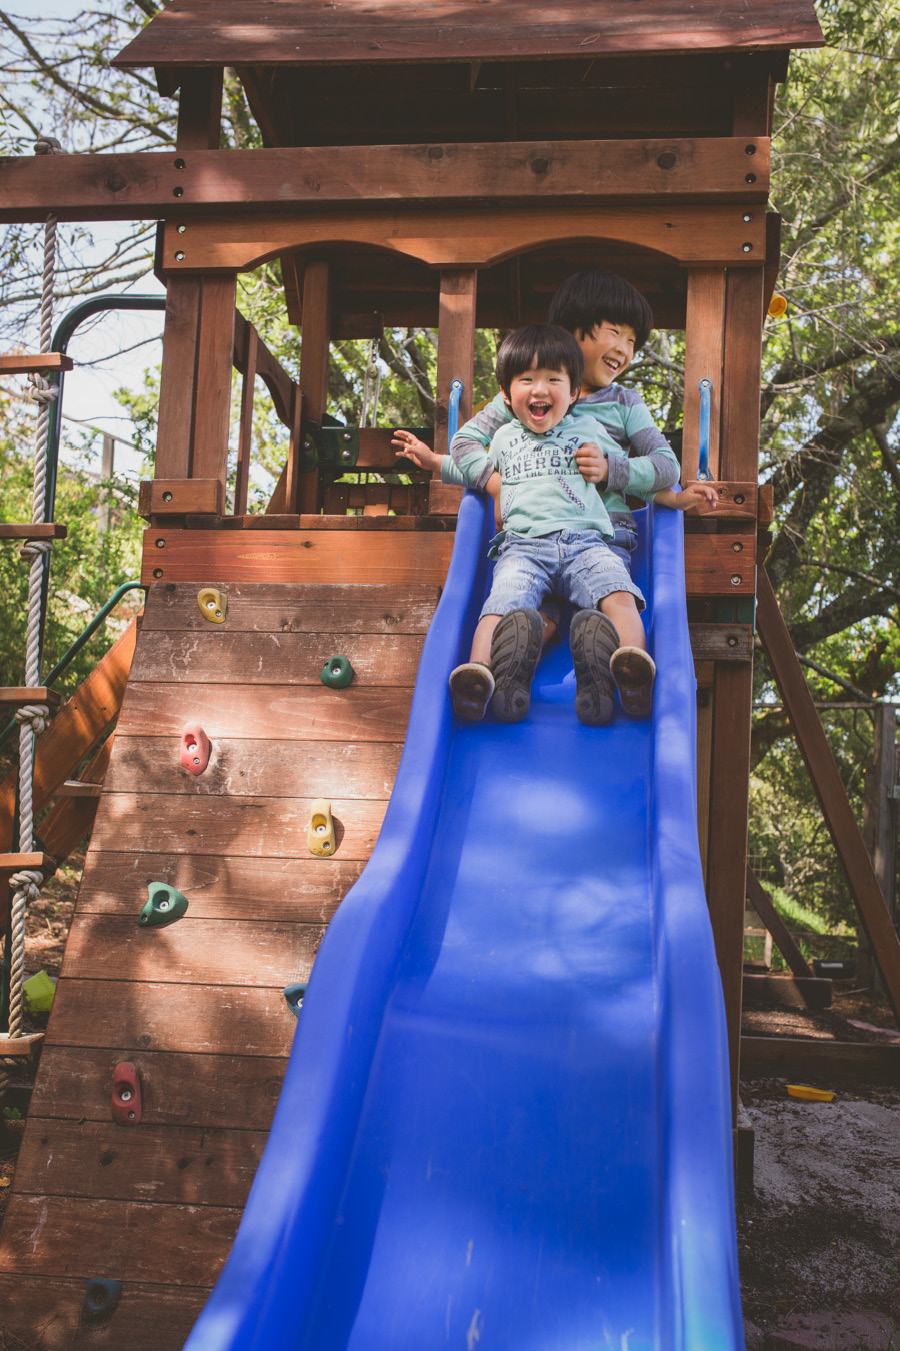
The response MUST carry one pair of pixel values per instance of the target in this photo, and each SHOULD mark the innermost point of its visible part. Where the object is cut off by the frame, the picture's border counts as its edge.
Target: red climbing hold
(126, 1094)
(194, 748)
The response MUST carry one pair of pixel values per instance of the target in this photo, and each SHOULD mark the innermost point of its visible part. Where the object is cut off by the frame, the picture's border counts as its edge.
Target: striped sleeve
(468, 449)
(651, 465)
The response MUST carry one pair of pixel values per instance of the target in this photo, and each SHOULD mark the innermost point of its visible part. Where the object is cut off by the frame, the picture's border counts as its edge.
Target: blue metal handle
(705, 400)
(456, 389)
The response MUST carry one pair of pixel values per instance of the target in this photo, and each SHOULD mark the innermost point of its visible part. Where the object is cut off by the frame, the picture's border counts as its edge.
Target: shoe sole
(634, 672)
(471, 687)
(593, 640)
(515, 648)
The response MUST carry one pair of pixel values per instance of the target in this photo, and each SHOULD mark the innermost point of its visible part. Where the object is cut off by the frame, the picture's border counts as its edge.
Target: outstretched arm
(411, 448)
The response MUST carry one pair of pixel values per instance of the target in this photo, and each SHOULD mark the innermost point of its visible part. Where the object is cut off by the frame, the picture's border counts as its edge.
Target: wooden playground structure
(445, 170)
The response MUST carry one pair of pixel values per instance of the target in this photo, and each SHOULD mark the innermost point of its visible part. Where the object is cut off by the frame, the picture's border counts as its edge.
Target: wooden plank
(152, 1318)
(722, 642)
(727, 849)
(714, 566)
(75, 730)
(248, 953)
(300, 714)
(711, 169)
(212, 391)
(247, 826)
(179, 1165)
(209, 1092)
(223, 658)
(15, 696)
(829, 788)
(209, 1020)
(456, 350)
(268, 368)
(199, 111)
(357, 32)
(126, 1240)
(763, 988)
(299, 890)
(149, 764)
(69, 820)
(792, 1055)
(761, 901)
(739, 458)
(177, 497)
(23, 363)
(294, 556)
(32, 530)
(705, 347)
(463, 237)
(245, 425)
(313, 608)
(177, 379)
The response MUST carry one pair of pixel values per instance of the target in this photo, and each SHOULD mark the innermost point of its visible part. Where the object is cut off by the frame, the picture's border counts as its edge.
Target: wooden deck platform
(198, 1005)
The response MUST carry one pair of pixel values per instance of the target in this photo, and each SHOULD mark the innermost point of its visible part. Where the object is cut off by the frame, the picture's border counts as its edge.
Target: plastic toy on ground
(506, 1118)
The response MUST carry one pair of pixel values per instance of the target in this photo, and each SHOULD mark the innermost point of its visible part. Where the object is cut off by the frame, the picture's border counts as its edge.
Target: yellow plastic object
(320, 837)
(810, 1094)
(213, 604)
(38, 993)
(777, 306)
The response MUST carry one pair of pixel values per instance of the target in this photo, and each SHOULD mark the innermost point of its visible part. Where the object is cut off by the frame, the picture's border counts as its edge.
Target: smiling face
(608, 351)
(540, 397)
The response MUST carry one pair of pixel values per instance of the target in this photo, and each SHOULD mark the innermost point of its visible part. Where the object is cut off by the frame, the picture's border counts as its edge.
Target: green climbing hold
(164, 906)
(38, 993)
(337, 672)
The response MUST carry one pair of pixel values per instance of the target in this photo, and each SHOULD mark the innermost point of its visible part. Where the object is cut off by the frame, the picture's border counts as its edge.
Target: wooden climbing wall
(198, 1005)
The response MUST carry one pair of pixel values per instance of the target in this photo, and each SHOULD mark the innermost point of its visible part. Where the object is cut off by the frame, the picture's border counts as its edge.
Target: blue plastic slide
(505, 1124)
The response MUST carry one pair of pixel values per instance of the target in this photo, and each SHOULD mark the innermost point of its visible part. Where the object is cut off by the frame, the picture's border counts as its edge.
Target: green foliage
(86, 567)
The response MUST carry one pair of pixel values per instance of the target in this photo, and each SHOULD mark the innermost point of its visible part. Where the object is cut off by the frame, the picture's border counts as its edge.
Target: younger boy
(555, 541)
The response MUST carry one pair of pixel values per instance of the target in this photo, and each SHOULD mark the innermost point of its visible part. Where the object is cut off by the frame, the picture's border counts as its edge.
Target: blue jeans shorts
(574, 565)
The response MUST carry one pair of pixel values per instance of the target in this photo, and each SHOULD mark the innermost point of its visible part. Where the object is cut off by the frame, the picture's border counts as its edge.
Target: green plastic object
(337, 672)
(164, 906)
(38, 993)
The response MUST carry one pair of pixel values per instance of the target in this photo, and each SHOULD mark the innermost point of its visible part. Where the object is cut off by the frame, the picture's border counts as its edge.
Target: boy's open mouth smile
(538, 410)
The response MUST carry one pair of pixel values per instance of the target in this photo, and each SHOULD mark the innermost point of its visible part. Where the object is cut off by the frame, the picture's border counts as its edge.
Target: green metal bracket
(330, 447)
(164, 906)
(741, 611)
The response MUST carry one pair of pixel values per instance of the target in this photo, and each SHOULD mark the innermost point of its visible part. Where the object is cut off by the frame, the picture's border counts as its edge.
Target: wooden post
(733, 685)
(199, 123)
(705, 343)
(880, 825)
(829, 787)
(456, 361)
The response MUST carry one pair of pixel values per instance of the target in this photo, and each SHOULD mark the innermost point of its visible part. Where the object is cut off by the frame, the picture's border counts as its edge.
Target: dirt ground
(818, 1237)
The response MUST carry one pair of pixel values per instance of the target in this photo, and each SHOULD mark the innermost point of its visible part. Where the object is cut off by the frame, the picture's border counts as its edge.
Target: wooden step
(41, 363)
(36, 530)
(16, 696)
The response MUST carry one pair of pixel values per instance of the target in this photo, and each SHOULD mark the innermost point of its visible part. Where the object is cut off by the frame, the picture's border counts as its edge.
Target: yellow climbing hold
(810, 1094)
(777, 306)
(320, 836)
(213, 604)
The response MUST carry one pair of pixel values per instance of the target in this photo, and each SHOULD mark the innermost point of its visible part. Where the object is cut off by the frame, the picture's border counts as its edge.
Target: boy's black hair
(547, 345)
(588, 298)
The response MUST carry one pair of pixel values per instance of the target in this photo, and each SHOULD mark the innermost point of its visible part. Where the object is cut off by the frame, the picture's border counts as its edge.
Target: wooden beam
(456, 349)
(806, 1058)
(212, 391)
(199, 117)
(142, 185)
(829, 787)
(466, 236)
(315, 347)
(761, 901)
(268, 368)
(20, 363)
(294, 555)
(705, 347)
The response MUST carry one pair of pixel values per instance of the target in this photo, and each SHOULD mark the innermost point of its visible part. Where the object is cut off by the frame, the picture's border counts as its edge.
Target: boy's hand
(412, 448)
(592, 463)
(697, 494)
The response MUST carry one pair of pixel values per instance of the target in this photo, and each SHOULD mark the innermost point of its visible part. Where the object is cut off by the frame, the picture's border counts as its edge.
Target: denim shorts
(574, 565)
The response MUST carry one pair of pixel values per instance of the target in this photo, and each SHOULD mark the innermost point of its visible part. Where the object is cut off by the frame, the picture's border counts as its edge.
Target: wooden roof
(305, 32)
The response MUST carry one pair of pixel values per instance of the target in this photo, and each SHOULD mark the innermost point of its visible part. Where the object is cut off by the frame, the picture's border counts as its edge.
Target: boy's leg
(597, 579)
(505, 646)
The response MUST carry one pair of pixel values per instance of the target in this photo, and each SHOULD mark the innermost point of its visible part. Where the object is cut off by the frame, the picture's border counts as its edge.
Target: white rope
(371, 388)
(32, 718)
